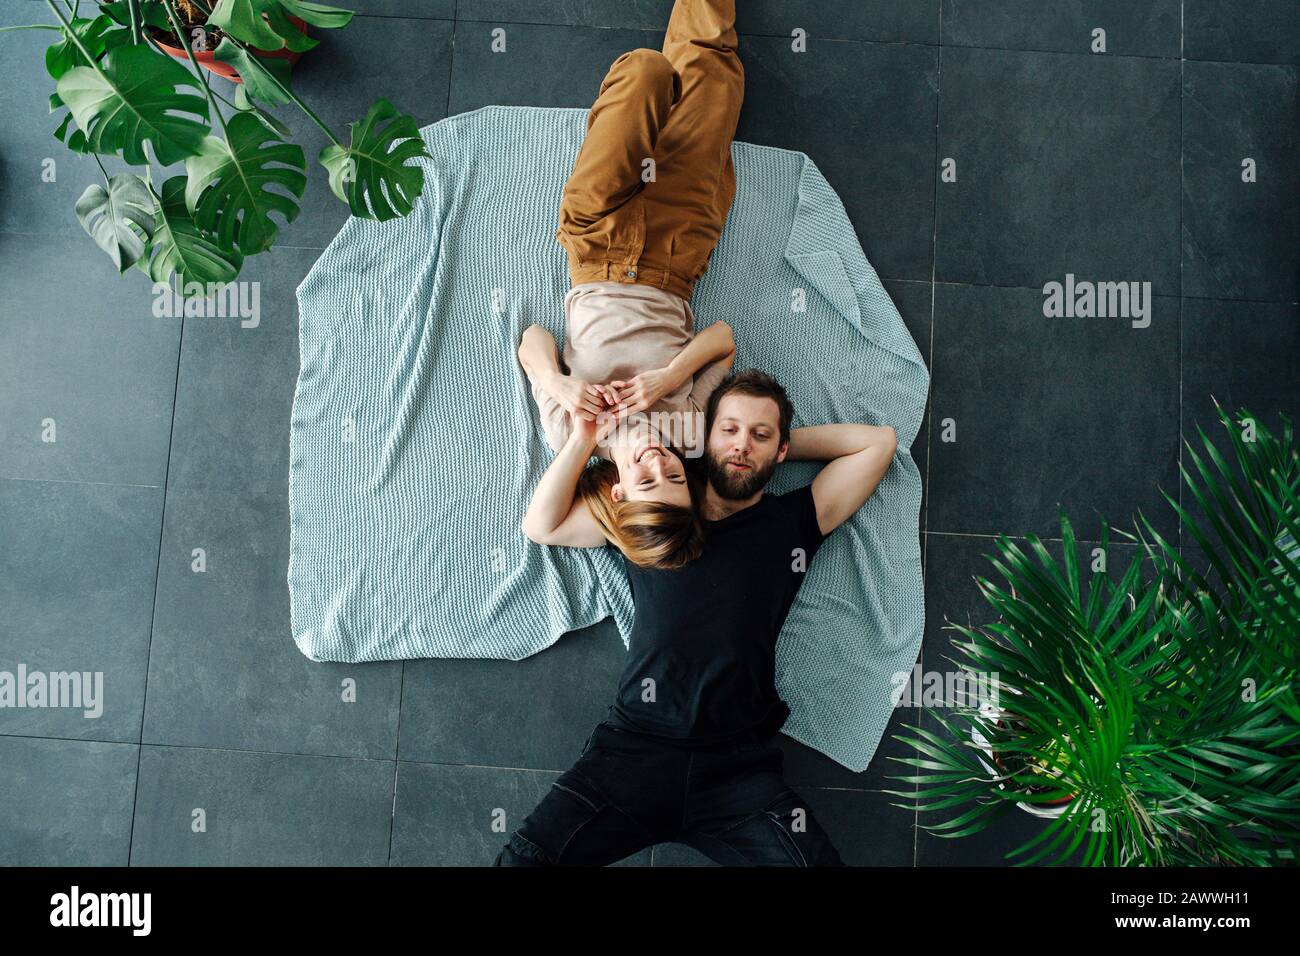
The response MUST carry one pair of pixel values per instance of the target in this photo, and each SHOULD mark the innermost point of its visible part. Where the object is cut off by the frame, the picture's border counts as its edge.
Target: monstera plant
(1155, 717)
(123, 92)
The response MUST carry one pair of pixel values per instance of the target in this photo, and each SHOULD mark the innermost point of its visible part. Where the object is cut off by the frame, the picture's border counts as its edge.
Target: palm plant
(126, 97)
(1163, 706)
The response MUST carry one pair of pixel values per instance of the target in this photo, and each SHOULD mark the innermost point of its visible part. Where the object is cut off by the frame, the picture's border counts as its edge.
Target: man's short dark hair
(758, 384)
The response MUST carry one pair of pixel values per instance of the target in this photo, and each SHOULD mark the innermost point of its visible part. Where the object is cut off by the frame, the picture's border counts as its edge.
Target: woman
(639, 497)
(641, 214)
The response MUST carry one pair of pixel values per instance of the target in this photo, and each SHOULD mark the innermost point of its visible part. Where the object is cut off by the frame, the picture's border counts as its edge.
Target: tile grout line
(1023, 536)
(157, 575)
(1181, 185)
(1210, 298)
(256, 753)
(929, 428)
(79, 481)
(397, 752)
(451, 62)
(418, 763)
(956, 283)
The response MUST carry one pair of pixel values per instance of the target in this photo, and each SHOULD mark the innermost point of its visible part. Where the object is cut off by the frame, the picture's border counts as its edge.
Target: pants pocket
(549, 831)
(799, 832)
(784, 815)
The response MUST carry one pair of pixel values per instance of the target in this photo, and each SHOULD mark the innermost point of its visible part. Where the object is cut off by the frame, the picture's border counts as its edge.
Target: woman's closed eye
(645, 483)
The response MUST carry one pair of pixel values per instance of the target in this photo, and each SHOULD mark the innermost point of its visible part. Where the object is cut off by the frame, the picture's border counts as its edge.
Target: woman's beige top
(615, 330)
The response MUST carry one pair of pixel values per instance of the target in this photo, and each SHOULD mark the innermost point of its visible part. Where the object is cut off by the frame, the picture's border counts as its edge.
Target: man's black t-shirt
(701, 655)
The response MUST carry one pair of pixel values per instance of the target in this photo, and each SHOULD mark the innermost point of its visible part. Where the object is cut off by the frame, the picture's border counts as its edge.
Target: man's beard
(736, 485)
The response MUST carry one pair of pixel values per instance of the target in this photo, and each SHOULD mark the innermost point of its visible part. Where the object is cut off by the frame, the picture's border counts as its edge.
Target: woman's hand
(594, 431)
(641, 392)
(582, 400)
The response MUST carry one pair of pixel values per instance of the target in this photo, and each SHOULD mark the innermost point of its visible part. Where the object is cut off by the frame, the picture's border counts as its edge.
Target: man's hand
(582, 400)
(641, 392)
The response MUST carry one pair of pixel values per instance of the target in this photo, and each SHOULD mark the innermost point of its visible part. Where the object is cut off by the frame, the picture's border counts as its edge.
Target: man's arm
(858, 457)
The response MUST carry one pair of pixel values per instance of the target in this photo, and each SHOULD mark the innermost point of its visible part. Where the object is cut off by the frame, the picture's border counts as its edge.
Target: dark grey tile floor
(219, 743)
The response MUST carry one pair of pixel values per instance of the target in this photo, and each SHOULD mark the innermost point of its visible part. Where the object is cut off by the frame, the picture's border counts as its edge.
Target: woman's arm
(858, 456)
(642, 392)
(556, 515)
(539, 358)
(538, 355)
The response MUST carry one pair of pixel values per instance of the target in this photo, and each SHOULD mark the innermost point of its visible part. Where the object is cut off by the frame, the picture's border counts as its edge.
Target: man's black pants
(628, 791)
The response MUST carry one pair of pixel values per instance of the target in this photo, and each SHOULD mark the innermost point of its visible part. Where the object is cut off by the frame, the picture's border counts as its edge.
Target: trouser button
(631, 273)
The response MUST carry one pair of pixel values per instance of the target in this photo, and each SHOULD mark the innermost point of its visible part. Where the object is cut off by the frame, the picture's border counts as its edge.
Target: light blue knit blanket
(415, 443)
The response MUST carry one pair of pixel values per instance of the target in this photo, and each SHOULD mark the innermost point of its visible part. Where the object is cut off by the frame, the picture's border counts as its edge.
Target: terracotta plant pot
(209, 62)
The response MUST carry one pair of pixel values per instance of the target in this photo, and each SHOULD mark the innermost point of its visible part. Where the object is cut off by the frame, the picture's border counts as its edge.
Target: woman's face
(647, 470)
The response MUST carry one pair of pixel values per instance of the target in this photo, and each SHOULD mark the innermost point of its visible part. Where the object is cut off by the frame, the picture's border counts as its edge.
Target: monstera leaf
(230, 184)
(132, 97)
(151, 13)
(180, 248)
(265, 24)
(98, 37)
(373, 167)
(76, 140)
(258, 73)
(120, 219)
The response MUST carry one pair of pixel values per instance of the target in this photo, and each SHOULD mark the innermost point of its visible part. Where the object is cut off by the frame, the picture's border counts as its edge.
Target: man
(684, 755)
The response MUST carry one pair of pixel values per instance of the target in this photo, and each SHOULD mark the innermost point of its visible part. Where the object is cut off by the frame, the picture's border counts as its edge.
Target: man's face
(744, 445)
